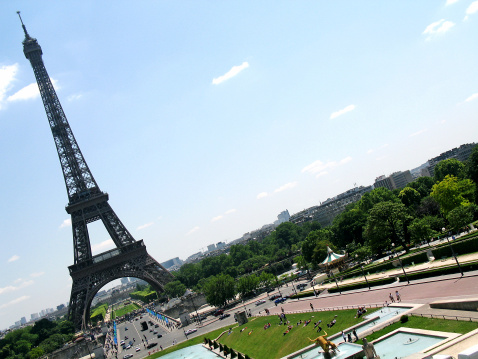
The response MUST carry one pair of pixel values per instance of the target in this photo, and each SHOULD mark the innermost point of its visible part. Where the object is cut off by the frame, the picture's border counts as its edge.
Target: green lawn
(272, 343)
(442, 325)
(125, 310)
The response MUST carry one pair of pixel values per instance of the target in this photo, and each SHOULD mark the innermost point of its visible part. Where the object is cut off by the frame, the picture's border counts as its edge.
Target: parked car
(260, 301)
(150, 345)
(225, 315)
(160, 335)
(190, 331)
(275, 296)
(218, 312)
(127, 356)
(301, 286)
(138, 349)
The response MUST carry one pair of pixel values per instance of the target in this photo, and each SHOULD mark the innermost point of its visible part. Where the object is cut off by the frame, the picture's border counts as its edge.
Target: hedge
(302, 295)
(461, 247)
(144, 296)
(360, 285)
(441, 271)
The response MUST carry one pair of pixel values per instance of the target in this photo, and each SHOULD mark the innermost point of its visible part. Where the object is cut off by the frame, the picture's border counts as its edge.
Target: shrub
(359, 285)
(240, 356)
(404, 318)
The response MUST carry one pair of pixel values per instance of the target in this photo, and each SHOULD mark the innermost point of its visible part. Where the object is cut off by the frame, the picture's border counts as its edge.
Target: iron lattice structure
(86, 204)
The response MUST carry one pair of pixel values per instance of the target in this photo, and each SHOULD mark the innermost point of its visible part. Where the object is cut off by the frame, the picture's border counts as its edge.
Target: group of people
(392, 299)
(360, 312)
(348, 337)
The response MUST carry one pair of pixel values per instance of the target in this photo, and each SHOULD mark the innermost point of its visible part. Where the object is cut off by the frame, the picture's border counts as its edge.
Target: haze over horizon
(203, 121)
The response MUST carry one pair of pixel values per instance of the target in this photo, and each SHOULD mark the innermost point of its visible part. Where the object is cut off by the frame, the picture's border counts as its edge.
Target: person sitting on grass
(332, 323)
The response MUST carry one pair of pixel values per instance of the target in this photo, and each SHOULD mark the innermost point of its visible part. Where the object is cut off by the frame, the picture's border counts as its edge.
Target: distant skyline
(203, 121)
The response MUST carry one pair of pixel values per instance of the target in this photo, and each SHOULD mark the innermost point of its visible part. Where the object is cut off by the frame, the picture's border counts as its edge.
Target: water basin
(346, 351)
(402, 344)
(384, 314)
(192, 352)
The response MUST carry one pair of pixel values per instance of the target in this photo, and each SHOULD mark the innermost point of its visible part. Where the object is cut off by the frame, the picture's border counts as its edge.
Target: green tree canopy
(219, 289)
(453, 192)
(377, 195)
(175, 289)
(314, 248)
(423, 185)
(385, 224)
(410, 197)
(348, 227)
(247, 285)
(460, 216)
(449, 167)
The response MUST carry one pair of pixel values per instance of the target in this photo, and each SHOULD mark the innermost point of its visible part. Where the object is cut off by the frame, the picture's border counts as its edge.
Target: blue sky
(204, 120)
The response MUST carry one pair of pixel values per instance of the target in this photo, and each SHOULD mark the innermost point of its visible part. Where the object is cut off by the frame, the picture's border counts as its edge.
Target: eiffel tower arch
(87, 204)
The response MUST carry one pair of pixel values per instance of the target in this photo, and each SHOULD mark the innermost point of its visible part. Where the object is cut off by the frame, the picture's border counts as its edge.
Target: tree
(423, 185)
(453, 192)
(471, 168)
(266, 279)
(410, 197)
(428, 207)
(348, 227)
(36, 353)
(421, 230)
(449, 167)
(175, 289)
(314, 248)
(219, 289)
(460, 216)
(385, 224)
(377, 195)
(247, 285)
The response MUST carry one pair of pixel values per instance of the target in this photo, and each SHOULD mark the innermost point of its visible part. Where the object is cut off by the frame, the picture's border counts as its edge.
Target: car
(160, 335)
(150, 345)
(301, 286)
(225, 315)
(138, 349)
(127, 356)
(128, 346)
(218, 312)
(151, 330)
(190, 331)
(275, 296)
(155, 332)
(122, 342)
(280, 300)
(156, 325)
(125, 328)
(260, 301)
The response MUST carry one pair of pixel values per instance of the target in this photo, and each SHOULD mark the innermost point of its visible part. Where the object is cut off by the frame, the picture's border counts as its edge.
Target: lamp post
(361, 267)
(194, 306)
(337, 284)
(400, 261)
(453, 253)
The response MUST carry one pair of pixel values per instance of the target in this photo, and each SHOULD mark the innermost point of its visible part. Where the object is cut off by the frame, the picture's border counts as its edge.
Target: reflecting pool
(346, 350)
(401, 344)
(192, 352)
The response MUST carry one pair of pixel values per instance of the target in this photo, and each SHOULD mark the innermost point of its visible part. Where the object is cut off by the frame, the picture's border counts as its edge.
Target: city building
(220, 245)
(125, 280)
(211, 247)
(396, 180)
(23, 321)
(34, 316)
(284, 216)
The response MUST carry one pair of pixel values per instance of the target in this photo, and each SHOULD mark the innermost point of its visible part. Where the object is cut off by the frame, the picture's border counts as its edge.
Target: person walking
(355, 335)
(391, 297)
(311, 307)
(399, 299)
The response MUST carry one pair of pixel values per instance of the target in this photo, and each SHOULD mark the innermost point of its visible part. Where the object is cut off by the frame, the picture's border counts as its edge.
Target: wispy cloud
(286, 187)
(7, 77)
(15, 301)
(437, 28)
(417, 133)
(472, 97)
(12, 288)
(36, 274)
(145, 226)
(195, 229)
(318, 167)
(234, 71)
(320, 174)
(105, 245)
(370, 151)
(66, 223)
(217, 218)
(29, 92)
(13, 258)
(342, 111)
(75, 97)
(450, 2)
(262, 195)
(232, 210)
(472, 9)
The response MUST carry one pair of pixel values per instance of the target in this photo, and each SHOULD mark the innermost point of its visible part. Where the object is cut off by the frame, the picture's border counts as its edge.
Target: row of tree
(32, 342)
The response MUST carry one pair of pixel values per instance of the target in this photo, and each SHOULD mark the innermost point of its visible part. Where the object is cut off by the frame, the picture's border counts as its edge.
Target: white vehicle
(129, 346)
(261, 301)
(138, 349)
(190, 331)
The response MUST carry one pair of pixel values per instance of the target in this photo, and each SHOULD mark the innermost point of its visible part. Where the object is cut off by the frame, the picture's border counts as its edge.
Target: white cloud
(473, 8)
(12, 288)
(74, 97)
(262, 195)
(323, 173)
(320, 167)
(341, 112)
(195, 229)
(13, 258)
(145, 226)
(37, 274)
(7, 77)
(418, 133)
(15, 301)
(29, 92)
(231, 211)
(66, 223)
(105, 245)
(472, 97)
(286, 186)
(231, 73)
(370, 151)
(438, 27)
(449, 2)
(217, 218)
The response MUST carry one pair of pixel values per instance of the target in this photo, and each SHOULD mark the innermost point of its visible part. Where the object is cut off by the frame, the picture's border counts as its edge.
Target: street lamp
(400, 261)
(361, 267)
(337, 284)
(453, 253)
(194, 306)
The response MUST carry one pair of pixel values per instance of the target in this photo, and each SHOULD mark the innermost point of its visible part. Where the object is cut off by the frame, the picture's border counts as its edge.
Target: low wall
(470, 305)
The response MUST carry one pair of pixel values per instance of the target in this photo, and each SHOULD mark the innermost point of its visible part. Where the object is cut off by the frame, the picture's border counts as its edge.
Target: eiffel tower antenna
(86, 204)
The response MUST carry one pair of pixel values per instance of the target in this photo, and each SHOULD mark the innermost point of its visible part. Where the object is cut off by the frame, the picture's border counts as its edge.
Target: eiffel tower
(86, 204)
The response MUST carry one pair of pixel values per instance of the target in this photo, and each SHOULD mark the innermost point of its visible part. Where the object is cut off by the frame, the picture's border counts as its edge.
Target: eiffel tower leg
(81, 238)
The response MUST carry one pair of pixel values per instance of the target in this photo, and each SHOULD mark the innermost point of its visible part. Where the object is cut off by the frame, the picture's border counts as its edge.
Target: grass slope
(125, 310)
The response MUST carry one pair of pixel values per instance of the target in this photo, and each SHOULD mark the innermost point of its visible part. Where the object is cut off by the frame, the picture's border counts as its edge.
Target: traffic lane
(139, 337)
